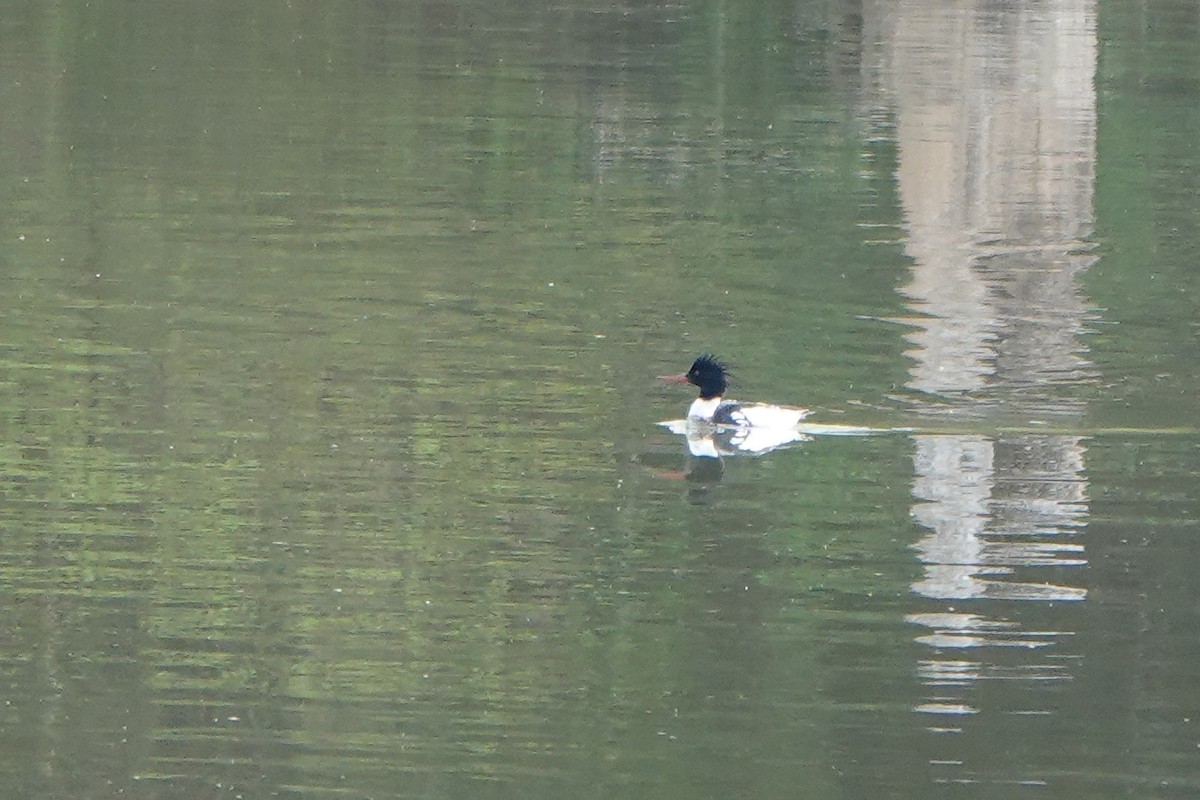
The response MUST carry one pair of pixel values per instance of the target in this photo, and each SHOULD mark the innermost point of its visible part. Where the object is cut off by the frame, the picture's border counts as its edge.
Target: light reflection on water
(996, 130)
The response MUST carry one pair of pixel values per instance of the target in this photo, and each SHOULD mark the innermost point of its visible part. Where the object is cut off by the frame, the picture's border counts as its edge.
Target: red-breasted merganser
(711, 407)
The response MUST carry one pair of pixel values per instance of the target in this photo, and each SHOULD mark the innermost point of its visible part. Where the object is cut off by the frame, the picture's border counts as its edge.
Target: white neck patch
(704, 408)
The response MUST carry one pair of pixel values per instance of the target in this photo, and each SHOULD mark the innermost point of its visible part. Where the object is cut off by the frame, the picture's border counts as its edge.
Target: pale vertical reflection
(995, 121)
(995, 118)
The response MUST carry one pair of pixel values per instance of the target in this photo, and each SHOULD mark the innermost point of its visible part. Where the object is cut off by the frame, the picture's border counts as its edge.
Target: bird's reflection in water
(702, 475)
(708, 447)
(706, 440)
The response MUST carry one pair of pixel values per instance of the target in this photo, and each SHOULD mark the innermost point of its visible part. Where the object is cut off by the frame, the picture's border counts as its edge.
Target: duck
(711, 375)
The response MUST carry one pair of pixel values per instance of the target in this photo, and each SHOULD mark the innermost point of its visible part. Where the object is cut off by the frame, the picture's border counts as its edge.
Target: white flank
(762, 416)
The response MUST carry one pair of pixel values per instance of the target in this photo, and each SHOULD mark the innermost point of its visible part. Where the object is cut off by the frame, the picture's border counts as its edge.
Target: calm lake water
(329, 455)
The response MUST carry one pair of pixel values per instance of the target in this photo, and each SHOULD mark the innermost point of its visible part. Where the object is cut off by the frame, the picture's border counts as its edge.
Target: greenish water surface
(329, 463)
